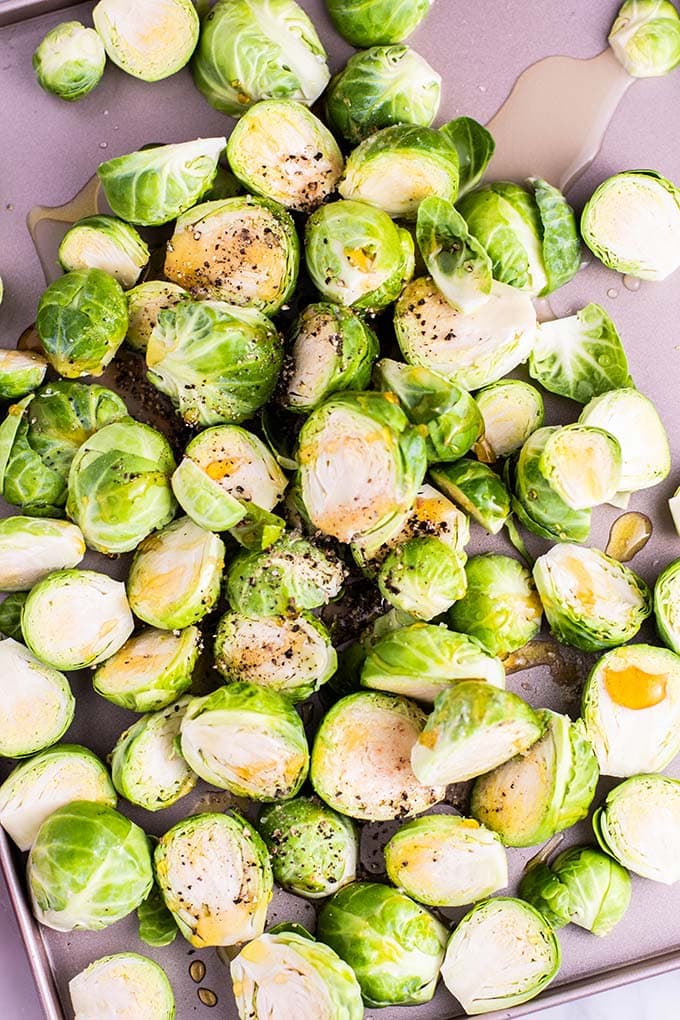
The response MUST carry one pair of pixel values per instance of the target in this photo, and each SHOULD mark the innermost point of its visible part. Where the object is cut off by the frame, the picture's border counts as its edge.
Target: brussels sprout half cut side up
(639, 825)
(151, 669)
(511, 410)
(667, 605)
(144, 303)
(69, 61)
(37, 703)
(582, 465)
(501, 954)
(21, 372)
(103, 242)
(538, 507)
(214, 873)
(31, 548)
(394, 946)
(149, 42)
(477, 489)
(646, 37)
(380, 21)
(122, 987)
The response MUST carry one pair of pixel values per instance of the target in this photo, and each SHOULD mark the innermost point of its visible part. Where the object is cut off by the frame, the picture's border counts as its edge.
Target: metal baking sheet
(48, 150)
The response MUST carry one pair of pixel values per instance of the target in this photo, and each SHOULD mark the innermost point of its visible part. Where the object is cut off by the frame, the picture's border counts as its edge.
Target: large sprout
(21, 372)
(667, 605)
(645, 37)
(511, 410)
(31, 548)
(639, 825)
(457, 262)
(149, 42)
(151, 669)
(214, 873)
(69, 61)
(446, 860)
(582, 464)
(501, 607)
(422, 576)
(104, 242)
(476, 488)
(37, 705)
(88, 867)
(122, 987)
(633, 420)
(379, 21)
(144, 302)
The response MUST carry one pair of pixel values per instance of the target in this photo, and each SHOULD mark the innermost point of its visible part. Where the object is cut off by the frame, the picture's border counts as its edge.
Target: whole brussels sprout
(151, 669)
(535, 502)
(31, 548)
(144, 302)
(21, 372)
(646, 37)
(477, 489)
(639, 825)
(104, 242)
(423, 577)
(122, 987)
(377, 21)
(69, 61)
(512, 410)
(36, 707)
(667, 605)
(149, 42)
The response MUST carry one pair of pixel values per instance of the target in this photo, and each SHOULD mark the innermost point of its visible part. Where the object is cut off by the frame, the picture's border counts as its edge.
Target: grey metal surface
(48, 150)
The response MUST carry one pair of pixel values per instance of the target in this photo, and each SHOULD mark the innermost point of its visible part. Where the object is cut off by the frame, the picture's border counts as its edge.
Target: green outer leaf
(10, 615)
(561, 239)
(477, 489)
(457, 262)
(545, 892)
(475, 147)
(157, 926)
(504, 218)
(598, 888)
(376, 21)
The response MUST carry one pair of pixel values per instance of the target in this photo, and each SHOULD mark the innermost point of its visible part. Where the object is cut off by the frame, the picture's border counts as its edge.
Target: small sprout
(103, 242)
(21, 372)
(537, 506)
(422, 577)
(69, 61)
(582, 465)
(639, 825)
(512, 410)
(150, 42)
(32, 547)
(378, 21)
(37, 703)
(137, 986)
(151, 669)
(646, 37)
(477, 489)
(145, 301)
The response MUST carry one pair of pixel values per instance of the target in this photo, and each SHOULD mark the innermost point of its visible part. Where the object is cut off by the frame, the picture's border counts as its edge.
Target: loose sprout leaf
(475, 147)
(157, 926)
(456, 260)
(561, 241)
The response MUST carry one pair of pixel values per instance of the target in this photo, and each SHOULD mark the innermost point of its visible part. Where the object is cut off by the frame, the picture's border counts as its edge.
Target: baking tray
(48, 150)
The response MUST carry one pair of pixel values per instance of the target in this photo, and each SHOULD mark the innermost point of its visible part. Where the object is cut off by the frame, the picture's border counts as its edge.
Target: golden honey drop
(629, 534)
(633, 688)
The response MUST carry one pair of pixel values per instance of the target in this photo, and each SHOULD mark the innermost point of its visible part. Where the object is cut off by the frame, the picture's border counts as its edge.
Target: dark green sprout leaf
(561, 241)
(457, 262)
(156, 924)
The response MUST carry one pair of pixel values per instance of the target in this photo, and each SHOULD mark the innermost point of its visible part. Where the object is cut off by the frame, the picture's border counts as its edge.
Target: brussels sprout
(511, 411)
(582, 465)
(331, 349)
(422, 660)
(394, 946)
(31, 548)
(81, 322)
(88, 867)
(474, 727)
(69, 61)
(149, 42)
(501, 954)
(631, 223)
(471, 350)
(37, 705)
(119, 486)
(501, 608)
(290, 654)
(103, 242)
(474, 146)
(352, 488)
(590, 600)
(151, 669)
(459, 265)
(422, 577)
(144, 302)
(157, 926)
(76, 618)
(382, 86)
(153, 186)
(446, 861)
(258, 49)
(11, 609)
(47, 781)
(667, 605)
(247, 739)
(536, 503)
(292, 970)
(175, 575)
(633, 420)
(242, 250)
(646, 37)
(313, 850)
(377, 21)
(581, 356)
(214, 873)
(639, 825)
(477, 489)
(122, 987)
(21, 372)
(360, 759)
(356, 256)
(631, 709)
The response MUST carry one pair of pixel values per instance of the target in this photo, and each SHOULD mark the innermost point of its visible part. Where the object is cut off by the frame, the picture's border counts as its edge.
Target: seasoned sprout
(446, 860)
(81, 322)
(153, 186)
(475, 147)
(151, 669)
(21, 372)
(667, 605)
(501, 954)
(537, 505)
(11, 609)
(103, 242)
(582, 465)
(646, 37)
(422, 577)
(632, 224)
(377, 21)
(394, 946)
(314, 851)
(144, 302)
(76, 618)
(37, 705)
(69, 61)
(360, 759)
(382, 86)
(511, 411)
(590, 600)
(639, 825)
(458, 263)
(149, 42)
(122, 987)
(31, 548)
(477, 489)
(89, 867)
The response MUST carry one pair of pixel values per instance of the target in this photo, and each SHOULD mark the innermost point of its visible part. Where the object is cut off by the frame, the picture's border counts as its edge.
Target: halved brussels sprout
(646, 37)
(474, 727)
(258, 49)
(69, 61)
(247, 739)
(287, 970)
(176, 575)
(475, 147)
(144, 302)
(501, 608)
(457, 262)
(536, 503)
(11, 609)
(634, 421)
(122, 987)
(47, 781)
(81, 322)
(149, 42)
(511, 411)
(153, 186)
(582, 464)
(422, 660)
(674, 508)
(356, 256)
(360, 759)
(151, 669)
(639, 825)
(37, 705)
(104, 242)
(88, 867)
(31, 548)
(471, 350)
(213, 871)
(331, 349)
(382, 86)
(446, 860)
(631, 223)
(76, 618)
(501, 954)
(667, 605)
(631, 709)
(590, 600)
(314, 851)
(242, 250)
(477, 489)
(422, 576)
(581, 356)
(156, 925)
(290, 654)
(378, 21)
(394, 946)
(21, 372)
